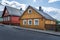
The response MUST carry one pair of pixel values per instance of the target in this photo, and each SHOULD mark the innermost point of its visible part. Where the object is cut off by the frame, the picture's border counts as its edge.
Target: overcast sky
(51, 7)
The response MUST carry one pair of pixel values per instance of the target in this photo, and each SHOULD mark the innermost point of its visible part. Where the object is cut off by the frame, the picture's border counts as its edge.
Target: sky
(51, 7)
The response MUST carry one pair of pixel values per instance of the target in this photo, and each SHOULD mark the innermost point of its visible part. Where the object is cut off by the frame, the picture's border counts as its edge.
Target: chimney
(20, 9)
(40, 9)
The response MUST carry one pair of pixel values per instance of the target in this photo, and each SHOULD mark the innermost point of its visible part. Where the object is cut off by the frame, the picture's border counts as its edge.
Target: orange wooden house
(34, 18)
(11, 15)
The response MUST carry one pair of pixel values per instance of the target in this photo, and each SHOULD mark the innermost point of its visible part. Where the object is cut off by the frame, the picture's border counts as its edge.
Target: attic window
(29, 11)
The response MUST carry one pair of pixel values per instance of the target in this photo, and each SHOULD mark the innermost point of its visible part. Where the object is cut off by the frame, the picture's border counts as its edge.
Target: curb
(41, 31)
(36, 30)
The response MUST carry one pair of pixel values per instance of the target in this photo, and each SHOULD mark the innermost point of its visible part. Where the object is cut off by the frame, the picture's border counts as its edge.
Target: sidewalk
(41, 31)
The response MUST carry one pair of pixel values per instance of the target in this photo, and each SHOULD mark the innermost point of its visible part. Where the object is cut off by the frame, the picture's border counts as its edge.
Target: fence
(52, 27)
(58, 27)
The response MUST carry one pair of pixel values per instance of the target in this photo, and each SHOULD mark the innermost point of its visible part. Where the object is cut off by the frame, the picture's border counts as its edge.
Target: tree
(57, 21)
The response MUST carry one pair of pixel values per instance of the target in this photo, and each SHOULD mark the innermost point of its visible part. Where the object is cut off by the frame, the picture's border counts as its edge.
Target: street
(10, 33)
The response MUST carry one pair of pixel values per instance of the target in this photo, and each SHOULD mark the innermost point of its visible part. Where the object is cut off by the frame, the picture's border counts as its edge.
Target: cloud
(14, 4)
(1, 7)
(52, 9)
(51, 1)
(34, 0)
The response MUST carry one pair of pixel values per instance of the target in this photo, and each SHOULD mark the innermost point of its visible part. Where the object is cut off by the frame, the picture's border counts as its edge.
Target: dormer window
(29, 11)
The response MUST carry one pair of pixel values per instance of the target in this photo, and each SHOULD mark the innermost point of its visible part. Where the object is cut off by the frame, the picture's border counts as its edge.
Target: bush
(57, 28)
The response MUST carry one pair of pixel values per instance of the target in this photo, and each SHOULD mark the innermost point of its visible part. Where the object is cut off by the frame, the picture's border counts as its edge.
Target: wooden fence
(50, 27)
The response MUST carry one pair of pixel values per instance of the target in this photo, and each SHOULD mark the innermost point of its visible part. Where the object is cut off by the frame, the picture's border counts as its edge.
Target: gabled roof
(14, 11)
(45, 15)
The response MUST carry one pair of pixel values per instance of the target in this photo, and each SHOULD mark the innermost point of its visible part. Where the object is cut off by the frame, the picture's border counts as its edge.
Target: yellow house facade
(34, 18)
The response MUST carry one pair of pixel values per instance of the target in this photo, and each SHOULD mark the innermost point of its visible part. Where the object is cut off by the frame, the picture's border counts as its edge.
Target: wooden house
(34, 18)
(11, 15)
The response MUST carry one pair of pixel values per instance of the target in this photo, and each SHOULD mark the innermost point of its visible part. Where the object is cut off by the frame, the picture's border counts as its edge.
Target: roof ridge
(43, 13)
(14, 11)
(12, 7)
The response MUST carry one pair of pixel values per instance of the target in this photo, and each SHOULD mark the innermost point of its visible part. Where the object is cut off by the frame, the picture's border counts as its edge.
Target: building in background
(1, 19)
(11, 15)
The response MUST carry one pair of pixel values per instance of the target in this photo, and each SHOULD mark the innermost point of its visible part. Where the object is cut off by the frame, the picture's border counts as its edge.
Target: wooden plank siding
(40, 26)
(50, 22)
(12, 20)
(50, 27)
(33, 15)
(15, 20)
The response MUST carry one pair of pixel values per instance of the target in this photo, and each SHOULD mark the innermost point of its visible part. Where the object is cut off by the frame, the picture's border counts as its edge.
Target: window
(51, 22)
(24, 22)
(36, 21)
(29, 11)
(5, 18)
(8, 18)
(30, 22)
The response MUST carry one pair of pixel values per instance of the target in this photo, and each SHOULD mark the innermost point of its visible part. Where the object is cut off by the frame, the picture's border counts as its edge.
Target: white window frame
(4, 18)
(8, 18)
(24, 21)
(35, 22)
(29, 10)
(31, 22)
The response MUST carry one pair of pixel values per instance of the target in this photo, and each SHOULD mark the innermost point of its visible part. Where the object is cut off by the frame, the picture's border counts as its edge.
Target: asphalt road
(9, 33)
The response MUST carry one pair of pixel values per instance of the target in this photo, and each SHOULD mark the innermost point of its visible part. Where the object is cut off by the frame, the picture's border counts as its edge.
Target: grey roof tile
(14, 11)
(44, 14)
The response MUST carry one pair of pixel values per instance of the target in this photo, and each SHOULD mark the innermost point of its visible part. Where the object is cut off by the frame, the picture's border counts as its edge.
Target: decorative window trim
(8, 18)
(31, 21)
(5, 18)
(24, 21)
(35, 23)
(29, 10)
